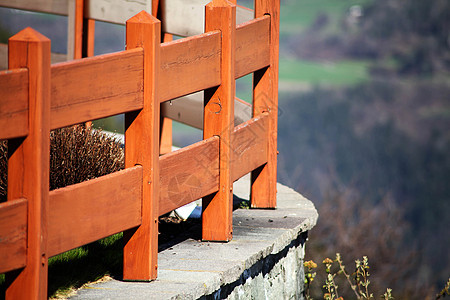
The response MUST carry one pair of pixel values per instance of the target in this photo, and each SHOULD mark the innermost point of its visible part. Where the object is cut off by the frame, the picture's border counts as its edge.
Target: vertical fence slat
(219, 121)
(78, 32)
(142, 148)
(88, 37)
(166, 123)
(75, 29)
(166, 135)
(165, 142)
(29, 163)
(88, 43)
(265, 99)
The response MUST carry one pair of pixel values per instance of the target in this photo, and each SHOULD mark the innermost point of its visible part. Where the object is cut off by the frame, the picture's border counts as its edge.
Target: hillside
(370, 145)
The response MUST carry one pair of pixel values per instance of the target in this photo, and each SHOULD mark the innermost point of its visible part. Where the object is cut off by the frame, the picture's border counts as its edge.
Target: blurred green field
(297, 16)
(344, 72)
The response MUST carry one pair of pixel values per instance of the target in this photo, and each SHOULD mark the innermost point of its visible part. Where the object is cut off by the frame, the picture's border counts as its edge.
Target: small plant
(309, 276)
(360, 286)
(387, 295)
(445, 291)
(330, 285)
(358, 281)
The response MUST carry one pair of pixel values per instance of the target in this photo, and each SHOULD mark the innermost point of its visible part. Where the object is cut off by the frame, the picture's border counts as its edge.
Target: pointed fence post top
(29, 35)
(143, 17)
(21, 42)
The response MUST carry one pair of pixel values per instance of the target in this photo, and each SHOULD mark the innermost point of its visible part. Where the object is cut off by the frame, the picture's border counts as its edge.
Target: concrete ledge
(262, 261)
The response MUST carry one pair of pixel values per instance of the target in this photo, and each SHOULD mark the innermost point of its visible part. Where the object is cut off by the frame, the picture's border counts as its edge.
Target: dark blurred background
(364, 128)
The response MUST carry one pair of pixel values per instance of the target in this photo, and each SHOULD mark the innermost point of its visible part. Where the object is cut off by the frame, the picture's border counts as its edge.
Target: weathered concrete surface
(263, 261)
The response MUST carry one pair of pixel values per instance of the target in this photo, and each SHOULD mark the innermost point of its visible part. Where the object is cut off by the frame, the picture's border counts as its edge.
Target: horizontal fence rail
(96, 87)
(192, 70)
(189, 174)
(252, 46)
(14, 103)
(36, 97)
(13, 235)
(86, 212)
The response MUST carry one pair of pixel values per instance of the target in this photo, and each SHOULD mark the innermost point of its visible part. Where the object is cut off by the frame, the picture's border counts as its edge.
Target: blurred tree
(414, 32)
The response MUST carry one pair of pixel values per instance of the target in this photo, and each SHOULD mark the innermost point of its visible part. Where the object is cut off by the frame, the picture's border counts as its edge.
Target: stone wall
(277, 276)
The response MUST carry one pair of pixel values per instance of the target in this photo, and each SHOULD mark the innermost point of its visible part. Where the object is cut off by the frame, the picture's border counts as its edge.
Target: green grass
(89, 263)
(324, 73)
(72, 269)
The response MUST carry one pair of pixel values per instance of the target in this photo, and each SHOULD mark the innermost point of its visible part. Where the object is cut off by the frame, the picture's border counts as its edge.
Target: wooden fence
(36, 97)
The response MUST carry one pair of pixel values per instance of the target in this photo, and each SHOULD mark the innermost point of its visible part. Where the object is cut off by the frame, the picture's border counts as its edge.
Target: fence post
(29, 163)
(142, 148)
(75, 29)
(265, 99)
(218, 120)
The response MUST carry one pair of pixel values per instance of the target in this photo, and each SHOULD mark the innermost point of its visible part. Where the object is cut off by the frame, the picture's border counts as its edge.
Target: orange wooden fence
(36, 97)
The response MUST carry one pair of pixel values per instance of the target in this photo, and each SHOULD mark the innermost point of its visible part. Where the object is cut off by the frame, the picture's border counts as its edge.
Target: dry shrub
(356, 229)
(77, 154)
(3, 168)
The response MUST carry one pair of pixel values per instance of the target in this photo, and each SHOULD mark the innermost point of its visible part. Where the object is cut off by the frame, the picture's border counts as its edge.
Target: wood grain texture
(189, 65)
(13, 103)
(142, 148)
(97, 87)
(219, 121)
(188, 174)
(252, 46)
(265, 99)
(13, 235)
(29, 163)
(85, 212)
(249, 146)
